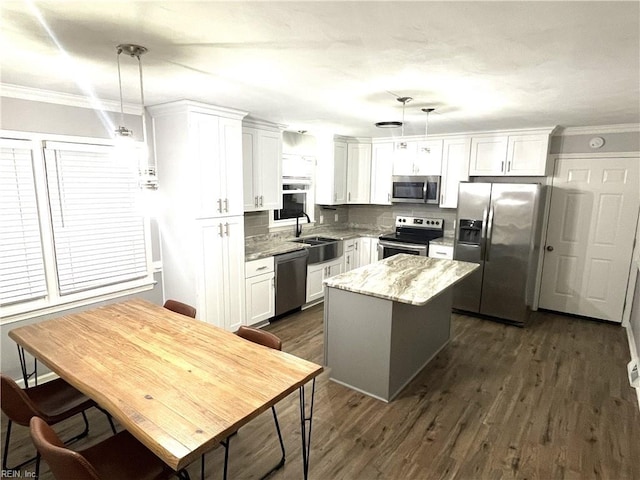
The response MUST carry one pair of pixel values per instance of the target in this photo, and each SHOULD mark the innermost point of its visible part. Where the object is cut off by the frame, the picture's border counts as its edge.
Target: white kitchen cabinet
(358, 172)
(350, 255)
(367, 250)
(455, 169)
(319, 272)
(527, 155)
(419, 157)
(511, 154)
(198, 150)
(260, 291)
(381, 173)
(331, 173)
(262, 167)
(220, 282)
(441, 251)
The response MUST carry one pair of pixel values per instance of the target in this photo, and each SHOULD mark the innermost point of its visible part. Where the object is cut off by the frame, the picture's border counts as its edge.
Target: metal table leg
(26, 375)
(306, 434)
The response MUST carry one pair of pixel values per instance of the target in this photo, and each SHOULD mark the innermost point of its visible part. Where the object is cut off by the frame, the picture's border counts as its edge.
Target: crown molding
(68, 99)
(595, 129)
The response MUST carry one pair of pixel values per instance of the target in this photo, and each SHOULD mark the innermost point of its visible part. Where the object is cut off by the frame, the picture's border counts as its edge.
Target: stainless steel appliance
(498, 227)
(291, 280)
(411, 236)
(415, 189)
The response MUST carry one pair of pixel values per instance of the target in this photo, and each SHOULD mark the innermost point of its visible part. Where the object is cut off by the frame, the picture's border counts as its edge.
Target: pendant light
(426, 149)
(133, 51)
(404, 100)
(147, 172)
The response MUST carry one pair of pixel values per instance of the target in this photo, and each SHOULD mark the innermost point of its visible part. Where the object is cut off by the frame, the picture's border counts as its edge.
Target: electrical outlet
(335, 218)
(321, 218)
(634, 376)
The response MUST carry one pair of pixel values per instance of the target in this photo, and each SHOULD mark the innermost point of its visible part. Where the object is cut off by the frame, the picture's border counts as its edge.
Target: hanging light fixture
(404, 100)
(147, 172)
(133, 51)
(426, 128)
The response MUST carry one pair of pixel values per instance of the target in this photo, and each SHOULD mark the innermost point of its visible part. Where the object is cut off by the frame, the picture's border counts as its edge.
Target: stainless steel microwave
(415, 189)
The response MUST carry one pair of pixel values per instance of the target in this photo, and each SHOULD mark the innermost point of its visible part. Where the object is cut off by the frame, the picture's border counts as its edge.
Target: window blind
(22, 274)
(98, 233)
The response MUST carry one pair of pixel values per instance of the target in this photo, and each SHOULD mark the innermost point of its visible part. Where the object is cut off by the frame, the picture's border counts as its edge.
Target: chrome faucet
(298, 226)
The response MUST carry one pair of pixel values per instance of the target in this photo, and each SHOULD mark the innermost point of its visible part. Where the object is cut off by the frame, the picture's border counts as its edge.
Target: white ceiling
(341, 65)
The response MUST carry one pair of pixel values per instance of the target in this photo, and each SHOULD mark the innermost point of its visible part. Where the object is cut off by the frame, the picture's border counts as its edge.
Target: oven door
(387, 249)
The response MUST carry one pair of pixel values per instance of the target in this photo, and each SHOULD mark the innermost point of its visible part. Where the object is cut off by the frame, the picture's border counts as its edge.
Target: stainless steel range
(412, 236)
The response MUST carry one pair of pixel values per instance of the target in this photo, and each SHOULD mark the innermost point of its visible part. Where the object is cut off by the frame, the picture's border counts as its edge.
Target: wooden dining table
(181, 386)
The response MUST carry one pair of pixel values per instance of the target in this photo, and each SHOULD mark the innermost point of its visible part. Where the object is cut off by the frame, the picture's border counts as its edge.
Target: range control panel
(420, 222)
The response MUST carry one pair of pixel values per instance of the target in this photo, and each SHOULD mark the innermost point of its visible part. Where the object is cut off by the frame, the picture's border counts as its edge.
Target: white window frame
(311, 199)
(53, 302)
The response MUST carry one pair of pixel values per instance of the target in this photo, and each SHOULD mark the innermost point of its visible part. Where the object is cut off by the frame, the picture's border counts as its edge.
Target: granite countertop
(444, 241)
(267, 245)
(403, 278)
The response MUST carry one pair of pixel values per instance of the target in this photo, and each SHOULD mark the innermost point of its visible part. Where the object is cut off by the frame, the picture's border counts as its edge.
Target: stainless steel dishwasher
(291, 280)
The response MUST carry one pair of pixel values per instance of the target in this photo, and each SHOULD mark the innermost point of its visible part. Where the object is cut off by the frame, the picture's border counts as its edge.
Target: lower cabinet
(220, 276)
(350, 255)
(260, 291)
(319, 272)
(441, 251)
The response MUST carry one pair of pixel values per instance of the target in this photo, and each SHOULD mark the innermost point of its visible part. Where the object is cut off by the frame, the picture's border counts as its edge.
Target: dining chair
(52, 401)
(269, 340)
(119, 457)
(181, 308)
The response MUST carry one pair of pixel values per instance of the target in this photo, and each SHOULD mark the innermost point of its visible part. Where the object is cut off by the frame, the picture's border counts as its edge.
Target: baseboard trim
(634, 356)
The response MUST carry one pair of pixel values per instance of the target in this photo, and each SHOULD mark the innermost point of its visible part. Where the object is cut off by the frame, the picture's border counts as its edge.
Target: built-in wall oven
(412, 236)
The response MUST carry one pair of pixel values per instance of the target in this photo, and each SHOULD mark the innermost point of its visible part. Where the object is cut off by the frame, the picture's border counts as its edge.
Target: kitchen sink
(321, 249)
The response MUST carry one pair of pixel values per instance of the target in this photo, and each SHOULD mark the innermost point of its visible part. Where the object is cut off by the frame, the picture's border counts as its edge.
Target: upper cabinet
(262, 166)
(418, 157)
(358, 172)
(381, 173)
(455, 169)
(198, 149)
(331, 173)
(510, 154)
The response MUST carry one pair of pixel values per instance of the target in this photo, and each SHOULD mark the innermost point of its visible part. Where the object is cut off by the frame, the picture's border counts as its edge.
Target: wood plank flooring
(548, 401)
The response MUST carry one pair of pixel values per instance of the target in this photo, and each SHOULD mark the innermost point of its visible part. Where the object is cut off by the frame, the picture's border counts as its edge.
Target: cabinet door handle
(261, 200)
(261, 268)
(220, 205)
(220, 232)
(349, 196)
(347, 260)
(226, 227)
(502, 166)
(255, 201)
(509, 166)
(226, 205)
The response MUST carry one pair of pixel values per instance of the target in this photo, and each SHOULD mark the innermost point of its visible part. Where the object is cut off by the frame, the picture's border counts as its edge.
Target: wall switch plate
(335, 218)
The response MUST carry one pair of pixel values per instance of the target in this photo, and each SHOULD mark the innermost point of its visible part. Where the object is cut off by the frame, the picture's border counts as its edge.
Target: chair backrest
(16, 404)
(181, 308)
(63, 463)
(261, 337)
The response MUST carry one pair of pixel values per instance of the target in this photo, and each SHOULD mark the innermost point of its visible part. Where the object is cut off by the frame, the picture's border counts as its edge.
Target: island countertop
(403, 278)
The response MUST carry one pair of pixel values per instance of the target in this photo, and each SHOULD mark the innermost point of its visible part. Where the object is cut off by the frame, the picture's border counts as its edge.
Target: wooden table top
(179, 385)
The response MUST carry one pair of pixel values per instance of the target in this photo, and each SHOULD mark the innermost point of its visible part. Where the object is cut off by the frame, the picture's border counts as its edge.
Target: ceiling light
(426, 128)
(133, 51)
(404, 101)
(393, 124)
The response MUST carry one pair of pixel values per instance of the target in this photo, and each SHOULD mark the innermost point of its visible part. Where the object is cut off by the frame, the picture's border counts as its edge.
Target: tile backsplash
(257, 223)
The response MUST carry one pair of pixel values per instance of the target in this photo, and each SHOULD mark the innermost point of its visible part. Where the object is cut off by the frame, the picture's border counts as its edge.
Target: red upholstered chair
(120, 457)
(52, 401)
(181, 308)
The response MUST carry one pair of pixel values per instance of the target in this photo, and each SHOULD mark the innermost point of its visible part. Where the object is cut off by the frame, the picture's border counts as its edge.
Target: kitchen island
(385, 321)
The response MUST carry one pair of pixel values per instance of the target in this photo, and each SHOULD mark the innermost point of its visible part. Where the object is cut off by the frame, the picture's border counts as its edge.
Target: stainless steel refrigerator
(498, 226)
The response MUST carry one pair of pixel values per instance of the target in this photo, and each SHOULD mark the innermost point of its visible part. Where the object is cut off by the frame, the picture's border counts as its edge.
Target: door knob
(549, 248)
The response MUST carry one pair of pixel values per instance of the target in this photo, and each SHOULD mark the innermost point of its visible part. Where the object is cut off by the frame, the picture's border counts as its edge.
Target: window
(297, 190)
(70, 228)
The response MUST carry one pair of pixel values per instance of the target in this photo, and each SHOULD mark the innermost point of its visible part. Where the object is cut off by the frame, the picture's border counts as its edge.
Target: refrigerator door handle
(483, 235)
(489, 234)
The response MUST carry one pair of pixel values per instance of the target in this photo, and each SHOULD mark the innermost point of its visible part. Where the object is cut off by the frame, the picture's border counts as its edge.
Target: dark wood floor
(548, 401)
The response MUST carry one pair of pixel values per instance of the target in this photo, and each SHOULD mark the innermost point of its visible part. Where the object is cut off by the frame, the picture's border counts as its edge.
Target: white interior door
(592, 220)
